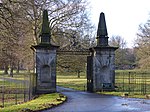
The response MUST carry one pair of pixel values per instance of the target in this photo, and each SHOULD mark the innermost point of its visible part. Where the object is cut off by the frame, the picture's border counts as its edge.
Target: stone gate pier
(101, 63)
(45, 60)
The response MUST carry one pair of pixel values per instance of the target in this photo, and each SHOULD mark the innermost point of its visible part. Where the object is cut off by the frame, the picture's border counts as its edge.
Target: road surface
(79, 101)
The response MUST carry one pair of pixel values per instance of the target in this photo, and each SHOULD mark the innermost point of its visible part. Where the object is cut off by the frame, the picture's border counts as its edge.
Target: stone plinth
(45, 68)
(104, 68)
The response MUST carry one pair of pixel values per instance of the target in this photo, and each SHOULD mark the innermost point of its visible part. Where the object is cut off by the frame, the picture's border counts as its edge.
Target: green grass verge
(40, 103)
(131, 95)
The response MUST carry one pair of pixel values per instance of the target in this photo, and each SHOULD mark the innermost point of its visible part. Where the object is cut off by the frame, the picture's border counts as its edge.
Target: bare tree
(20, 25)
(142, 46)
(13, 32)
(124, 57)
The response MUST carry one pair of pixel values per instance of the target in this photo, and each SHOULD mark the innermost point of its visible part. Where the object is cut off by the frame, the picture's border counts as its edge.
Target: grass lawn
(40, 103)
(72, 81)
(20, 76)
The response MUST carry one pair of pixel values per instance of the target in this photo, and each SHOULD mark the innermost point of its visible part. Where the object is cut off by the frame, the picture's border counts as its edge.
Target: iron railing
(16, 89)
(133, 82)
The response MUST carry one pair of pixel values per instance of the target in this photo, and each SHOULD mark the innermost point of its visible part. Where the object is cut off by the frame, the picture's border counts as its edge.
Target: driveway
(79, 101)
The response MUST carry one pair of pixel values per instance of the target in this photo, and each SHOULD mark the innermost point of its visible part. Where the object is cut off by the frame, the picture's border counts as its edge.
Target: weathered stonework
(45, 70)
(45, 60)
(101, 63)
(103, 68)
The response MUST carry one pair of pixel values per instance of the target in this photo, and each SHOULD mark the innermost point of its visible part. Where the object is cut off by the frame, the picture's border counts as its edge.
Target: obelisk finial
(102, 29)
(102, 35)
(45, 31)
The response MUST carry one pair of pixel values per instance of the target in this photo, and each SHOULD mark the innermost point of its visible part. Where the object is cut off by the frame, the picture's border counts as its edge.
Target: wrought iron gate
(89, 74)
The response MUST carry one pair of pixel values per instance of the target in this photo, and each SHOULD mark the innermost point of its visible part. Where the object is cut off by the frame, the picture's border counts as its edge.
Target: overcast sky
(122, 16)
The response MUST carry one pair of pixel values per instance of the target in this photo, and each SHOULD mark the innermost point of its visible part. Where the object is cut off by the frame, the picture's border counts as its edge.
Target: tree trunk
(18, 68)
(28, 70)
(78, 72)
(11, 71)
(6, 69)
